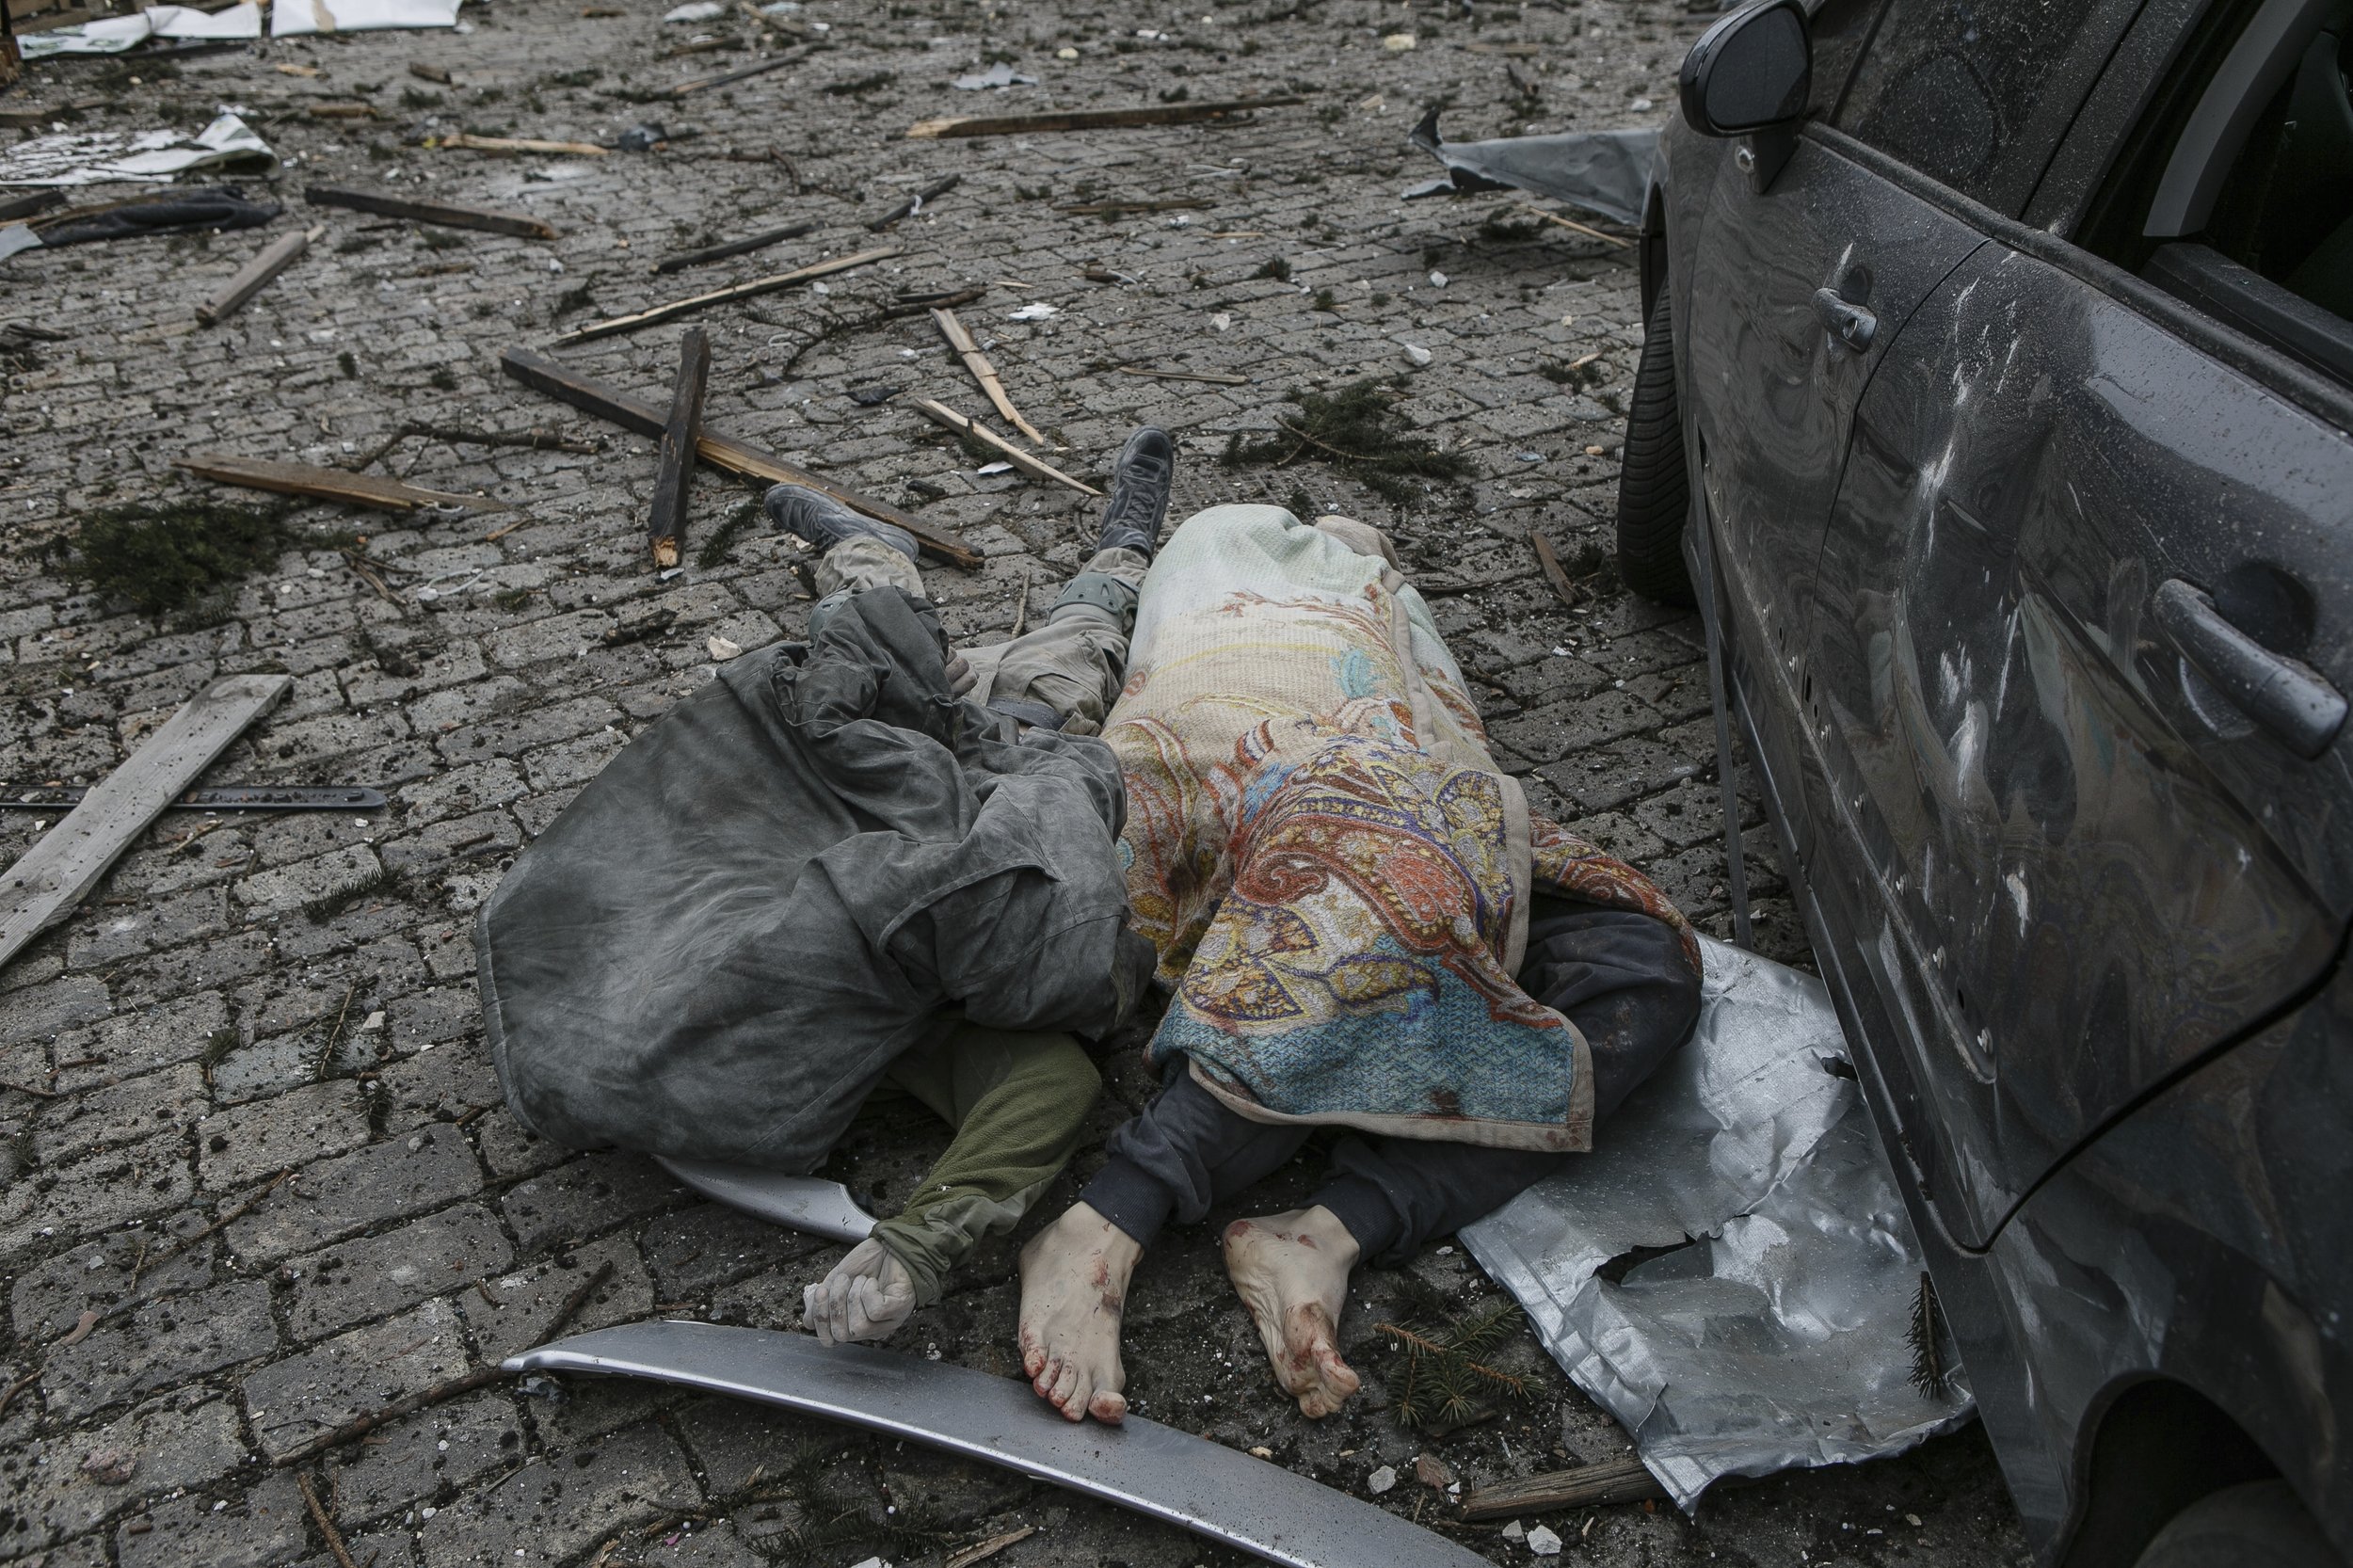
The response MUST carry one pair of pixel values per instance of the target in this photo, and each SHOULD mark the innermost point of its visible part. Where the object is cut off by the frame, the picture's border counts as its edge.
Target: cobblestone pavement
(296, 993)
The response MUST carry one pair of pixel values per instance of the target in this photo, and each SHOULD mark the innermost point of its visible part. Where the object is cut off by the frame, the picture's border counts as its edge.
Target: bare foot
(1292, 1271)
(1074, 1287)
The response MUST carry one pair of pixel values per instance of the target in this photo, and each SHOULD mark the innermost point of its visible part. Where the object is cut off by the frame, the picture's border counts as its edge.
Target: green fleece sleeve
(1019, 1104)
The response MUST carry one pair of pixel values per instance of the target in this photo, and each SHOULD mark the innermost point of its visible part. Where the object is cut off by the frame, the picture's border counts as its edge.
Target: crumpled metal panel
(1779, 1336)
(1603, 171)
(810, 1204)
(1186, 1481)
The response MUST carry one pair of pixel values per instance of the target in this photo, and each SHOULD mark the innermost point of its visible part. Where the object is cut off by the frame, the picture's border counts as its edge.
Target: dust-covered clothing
(784, 885)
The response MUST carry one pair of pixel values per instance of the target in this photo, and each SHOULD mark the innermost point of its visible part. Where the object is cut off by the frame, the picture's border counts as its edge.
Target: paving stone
(710, 1245)
(556, 1508)
(43, 1011)
(366, 1278)
(161, 1344)
(286, 887)
(429, 1456)
(134, 1043)
(265, 1525)
(294, 1128)
(98, 1191)
(516, 1310)
(48, 1298)
(586, 1197)
(327, 1199)
(44, 1496)
(293, 1400)
(121, 1112)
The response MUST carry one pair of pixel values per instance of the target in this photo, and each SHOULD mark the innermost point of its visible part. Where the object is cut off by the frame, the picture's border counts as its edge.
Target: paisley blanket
(1335, 874)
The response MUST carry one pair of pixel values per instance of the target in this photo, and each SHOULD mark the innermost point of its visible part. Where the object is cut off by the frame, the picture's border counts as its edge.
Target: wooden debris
(44, 887)
(982, 371)
(425, 72)
(341, 111)
(914, 204)
(964, 425)
(1105, 209)
(325, 1524)
(1090, 120)
(675, 469)
(277, 258)
(329, 484)
(1618, 240)
(441, 212)
(17, 207)
(733, 248)
(1214, 378)
(1551, 563)
(466, 141)
(720, 297)
(703, 83)
(8, 1394)
(982, 1551)
(914, 304)
(559, 380)
(1616, 1480)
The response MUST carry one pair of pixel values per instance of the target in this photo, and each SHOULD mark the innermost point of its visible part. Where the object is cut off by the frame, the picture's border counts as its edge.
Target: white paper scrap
(152, 157)
(301, 18)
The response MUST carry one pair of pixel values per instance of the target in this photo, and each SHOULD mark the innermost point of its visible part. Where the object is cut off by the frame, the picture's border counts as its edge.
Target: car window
(1838, 29)
(1974, 93)
(2236, 193)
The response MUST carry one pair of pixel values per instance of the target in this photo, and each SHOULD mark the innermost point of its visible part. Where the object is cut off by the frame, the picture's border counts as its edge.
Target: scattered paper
(1381, 1480)
(1397, 43)
(997, 75)
(16, 237)
(300, 18)
(1543, 1541)
(115, 34)
(1035, 312)
(699, 11)
(1514, 1532)
(986, 468)
(155, 157)
(1221, 321)
(1437, 280)
(723, 648)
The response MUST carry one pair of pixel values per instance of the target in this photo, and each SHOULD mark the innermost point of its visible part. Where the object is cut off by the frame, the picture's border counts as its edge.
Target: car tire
(1654, 486)
(2260, 1525)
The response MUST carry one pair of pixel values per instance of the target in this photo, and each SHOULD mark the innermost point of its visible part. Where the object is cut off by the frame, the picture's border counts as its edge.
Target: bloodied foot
(1291, 1271)
(1074, 1285)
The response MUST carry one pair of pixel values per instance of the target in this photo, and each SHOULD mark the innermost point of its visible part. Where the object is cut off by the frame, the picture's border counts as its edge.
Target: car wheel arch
(2150, 1445)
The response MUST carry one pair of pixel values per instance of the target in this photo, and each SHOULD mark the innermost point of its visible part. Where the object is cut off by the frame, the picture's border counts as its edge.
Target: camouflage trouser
(1063, 673)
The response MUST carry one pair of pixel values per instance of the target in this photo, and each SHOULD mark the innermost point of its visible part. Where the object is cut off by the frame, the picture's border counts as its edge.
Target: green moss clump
(181, 555)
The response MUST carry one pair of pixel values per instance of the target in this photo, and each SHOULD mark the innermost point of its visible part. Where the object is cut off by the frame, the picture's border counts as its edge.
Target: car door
(2087, 544)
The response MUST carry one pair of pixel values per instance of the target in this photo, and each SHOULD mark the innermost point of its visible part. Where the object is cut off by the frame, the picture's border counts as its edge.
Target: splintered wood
(442, 213)
(720, 297)
(964, 425)
(984, 373)
(328, 484)
(249, 281)
(1089, 120)
(675, 469)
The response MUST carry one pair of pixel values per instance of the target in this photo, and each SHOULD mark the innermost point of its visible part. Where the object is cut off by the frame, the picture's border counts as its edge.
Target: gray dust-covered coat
(716, 951)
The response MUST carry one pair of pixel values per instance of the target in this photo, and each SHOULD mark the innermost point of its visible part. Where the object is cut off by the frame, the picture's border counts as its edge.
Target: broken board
(328, 484)
(55, 873)
(1172, 1476)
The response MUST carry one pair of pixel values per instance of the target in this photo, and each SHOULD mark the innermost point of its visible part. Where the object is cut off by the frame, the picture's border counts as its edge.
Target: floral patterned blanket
(1318, 845)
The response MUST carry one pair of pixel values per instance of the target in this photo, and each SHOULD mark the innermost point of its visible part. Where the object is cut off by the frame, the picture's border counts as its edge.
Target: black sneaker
(1141, 477)
(826, 522)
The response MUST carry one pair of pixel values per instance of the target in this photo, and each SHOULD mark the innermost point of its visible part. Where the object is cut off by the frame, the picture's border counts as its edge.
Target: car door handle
(2284, 695)
(1849, 321)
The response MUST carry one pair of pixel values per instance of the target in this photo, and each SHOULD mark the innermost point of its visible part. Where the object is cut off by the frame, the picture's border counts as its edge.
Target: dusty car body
(1995, 411)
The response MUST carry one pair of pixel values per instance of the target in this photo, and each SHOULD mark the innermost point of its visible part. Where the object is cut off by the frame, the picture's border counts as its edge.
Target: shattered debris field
(255, 1177)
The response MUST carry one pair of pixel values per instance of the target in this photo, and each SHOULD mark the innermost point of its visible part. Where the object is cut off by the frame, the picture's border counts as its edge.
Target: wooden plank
(55, 873)
(1615, 1481)
(560, 381)
(1089, 120)
(675, 468)
(916, 204)
(720, 297)
(984, 373)
(328, 484)
(733, 248)
(16, 207)
(703, 83)
(467, 142)
(964, 425)
(442, 213)
(275, 259)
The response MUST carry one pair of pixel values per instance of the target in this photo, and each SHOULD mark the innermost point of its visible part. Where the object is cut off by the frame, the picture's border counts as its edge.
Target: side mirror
(1749, 75)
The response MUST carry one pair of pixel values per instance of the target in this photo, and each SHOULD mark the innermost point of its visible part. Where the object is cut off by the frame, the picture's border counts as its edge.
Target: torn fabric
(1773, 1334)
(300, 18)
(1606, 172)
(155, 157)
(220, 208)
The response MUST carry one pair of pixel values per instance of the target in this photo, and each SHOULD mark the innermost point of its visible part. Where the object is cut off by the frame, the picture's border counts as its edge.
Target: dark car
(1995, 397)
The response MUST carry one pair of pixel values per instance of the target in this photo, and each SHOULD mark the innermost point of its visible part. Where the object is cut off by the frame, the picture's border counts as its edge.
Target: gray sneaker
(1141, 477)
(826, 522)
